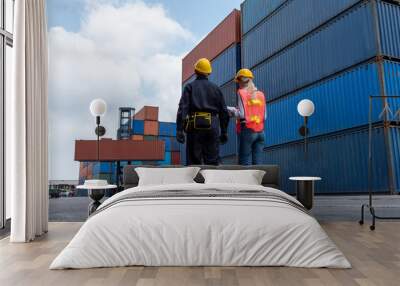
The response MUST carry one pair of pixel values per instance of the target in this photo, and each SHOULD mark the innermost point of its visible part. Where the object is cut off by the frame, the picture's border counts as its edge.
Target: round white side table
(305, 188)
(96, 193)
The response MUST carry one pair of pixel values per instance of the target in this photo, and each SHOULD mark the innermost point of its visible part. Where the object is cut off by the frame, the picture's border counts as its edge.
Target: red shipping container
(151, 128)
(137, 137)
(218, 40)
(118, 150)
(147, 113)
(175, 158)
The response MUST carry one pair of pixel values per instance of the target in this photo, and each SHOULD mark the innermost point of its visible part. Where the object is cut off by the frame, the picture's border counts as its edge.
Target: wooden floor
(375, 257)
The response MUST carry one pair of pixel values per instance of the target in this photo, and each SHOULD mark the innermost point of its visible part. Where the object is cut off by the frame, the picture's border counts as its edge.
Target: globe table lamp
(305, 108)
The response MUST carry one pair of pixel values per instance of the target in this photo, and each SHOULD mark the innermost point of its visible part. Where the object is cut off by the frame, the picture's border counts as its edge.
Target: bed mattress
(201, 225)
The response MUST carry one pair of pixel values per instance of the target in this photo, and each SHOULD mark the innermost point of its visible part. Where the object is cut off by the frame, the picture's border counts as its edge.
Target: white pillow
(166, 176)
(247, 177)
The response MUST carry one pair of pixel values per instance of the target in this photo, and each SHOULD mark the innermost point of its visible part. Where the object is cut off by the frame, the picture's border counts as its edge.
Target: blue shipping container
(293, 20)
(167, 159)
(167, 129)
(342, 43)
(254, 11)
(229, 92)
(341, 103)
(226, 65)
(167, 142)
(340, 160)
(231, 147)
(138, 127)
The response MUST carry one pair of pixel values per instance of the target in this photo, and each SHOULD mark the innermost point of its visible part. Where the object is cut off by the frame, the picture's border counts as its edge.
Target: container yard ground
(327, 208)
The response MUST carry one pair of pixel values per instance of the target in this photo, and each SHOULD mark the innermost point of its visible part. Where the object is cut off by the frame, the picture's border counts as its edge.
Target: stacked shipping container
(144, 127)
(335, 53)
(222, 47)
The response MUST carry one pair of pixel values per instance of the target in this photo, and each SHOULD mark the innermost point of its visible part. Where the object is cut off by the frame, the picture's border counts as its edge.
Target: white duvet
(200, 232)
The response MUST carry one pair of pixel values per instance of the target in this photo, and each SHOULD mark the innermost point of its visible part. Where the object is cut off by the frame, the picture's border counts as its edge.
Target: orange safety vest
(254, 109)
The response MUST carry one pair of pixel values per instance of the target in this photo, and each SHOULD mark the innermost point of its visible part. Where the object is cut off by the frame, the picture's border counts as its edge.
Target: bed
(197, 224)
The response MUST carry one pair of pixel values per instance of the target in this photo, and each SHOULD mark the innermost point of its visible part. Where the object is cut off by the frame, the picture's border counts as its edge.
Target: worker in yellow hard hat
(203, 116)
(251, 114)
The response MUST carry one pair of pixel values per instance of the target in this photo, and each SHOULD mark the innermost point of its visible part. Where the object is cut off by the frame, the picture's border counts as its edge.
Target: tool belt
(198, 121)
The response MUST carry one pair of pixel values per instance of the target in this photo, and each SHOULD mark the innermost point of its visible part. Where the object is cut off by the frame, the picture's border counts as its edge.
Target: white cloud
(127, 54)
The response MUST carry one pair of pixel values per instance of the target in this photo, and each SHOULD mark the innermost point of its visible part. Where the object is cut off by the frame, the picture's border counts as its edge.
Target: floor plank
(375, 257)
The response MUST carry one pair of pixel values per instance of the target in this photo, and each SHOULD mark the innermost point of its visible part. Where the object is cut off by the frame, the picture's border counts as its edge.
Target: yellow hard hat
(203, 66)
(244, 73)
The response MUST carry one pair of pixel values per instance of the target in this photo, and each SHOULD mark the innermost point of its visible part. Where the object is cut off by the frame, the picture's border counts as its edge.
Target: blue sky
(199, 17)
(127, 52)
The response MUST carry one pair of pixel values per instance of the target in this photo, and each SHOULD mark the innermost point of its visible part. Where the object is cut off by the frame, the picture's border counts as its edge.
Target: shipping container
(231, 147)
(151, 128)
(167, 141)
(137, 127)
(137, 137)
(116, 150)
(229, 91)
(341, 160)
(218, 40)
(341, 102)
(147, 113)
(103, 167)
(254, 11)
(167, 129)
(342, 43)
(175, 158)
(291, 21)
(226, 65)
(167, 159)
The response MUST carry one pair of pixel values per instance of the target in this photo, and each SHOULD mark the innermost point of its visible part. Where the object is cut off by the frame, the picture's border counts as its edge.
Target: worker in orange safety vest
(251, 114)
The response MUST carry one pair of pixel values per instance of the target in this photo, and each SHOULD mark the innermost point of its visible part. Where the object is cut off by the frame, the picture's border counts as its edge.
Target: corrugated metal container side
(229, 92)
(389, 27)
(116, 150)
(167, 142)
(341, 103)
(293, 20)
(167, 159)
(175, 158)
(147, 113)
(395, 150)
(167, 129)
(137, 127)
(254, 11)
(151, 128)
(339, 45)
(218, 40)
(392, 84)
(231, 147)
(340, 160)
(225, 65)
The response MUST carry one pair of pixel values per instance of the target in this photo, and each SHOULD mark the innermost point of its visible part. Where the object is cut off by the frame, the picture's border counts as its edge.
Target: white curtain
(28, 121)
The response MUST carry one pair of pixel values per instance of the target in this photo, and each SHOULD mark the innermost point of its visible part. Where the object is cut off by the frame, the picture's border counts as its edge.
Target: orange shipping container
(151, 128)
(119, 150)
(175, 158)
(217, 41)
(147, 113)
(137, 137)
